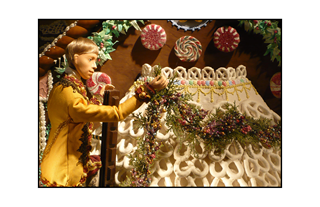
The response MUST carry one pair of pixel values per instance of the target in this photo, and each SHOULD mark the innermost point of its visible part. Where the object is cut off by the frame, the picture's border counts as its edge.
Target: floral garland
(271, 34)
(193, 125)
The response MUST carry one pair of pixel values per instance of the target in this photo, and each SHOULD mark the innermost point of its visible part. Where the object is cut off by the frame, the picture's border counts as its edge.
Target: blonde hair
(80, 46)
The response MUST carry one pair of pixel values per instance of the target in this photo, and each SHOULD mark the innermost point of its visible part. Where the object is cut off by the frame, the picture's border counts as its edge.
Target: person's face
(85, 64)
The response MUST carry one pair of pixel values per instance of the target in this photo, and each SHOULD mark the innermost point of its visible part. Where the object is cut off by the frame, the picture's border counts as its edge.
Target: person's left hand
(107, 87)
(159, 83)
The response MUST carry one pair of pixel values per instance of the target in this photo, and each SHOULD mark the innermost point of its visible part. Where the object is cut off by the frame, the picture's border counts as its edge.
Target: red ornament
(275, 85)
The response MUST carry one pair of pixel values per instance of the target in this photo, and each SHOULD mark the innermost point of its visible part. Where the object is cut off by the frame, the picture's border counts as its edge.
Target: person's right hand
(159, 83)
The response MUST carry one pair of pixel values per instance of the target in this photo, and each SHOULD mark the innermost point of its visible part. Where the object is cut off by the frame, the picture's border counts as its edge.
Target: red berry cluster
(270, 136)
(190, 117)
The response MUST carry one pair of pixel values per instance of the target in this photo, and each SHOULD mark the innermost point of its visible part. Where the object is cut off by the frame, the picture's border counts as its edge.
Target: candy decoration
(153, 37)
(188, 49)
(226, 39)
(275, 85)
(97, 81)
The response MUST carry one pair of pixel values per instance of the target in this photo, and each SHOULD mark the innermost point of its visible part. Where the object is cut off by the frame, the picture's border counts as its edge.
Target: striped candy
(226, 40)
(188, 49)
(153, 37)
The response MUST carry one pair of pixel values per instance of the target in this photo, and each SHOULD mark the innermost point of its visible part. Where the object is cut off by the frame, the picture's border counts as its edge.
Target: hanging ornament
(153, 37)
(188, 49)
(275, 85)
(226, 39)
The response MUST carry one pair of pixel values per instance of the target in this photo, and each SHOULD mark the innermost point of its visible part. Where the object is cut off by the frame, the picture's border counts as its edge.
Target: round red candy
(275, 85)
(226, 39)
(153, 37)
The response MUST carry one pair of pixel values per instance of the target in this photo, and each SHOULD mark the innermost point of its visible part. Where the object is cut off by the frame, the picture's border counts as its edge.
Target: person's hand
(159, 83)
(107, 87)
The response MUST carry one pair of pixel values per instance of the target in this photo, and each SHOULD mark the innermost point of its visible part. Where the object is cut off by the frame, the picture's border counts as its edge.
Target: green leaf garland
(111, 29)
(271, 34)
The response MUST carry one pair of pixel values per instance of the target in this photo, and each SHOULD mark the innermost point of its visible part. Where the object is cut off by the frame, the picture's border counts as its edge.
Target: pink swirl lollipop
(153, 37)
(188, 49)
(97, 82)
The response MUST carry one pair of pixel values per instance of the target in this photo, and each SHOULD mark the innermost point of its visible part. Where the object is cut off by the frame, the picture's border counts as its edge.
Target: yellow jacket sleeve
(80, 111)
(65, 102)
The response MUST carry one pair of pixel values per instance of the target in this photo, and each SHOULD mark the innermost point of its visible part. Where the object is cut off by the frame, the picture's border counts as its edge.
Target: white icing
(177, 166)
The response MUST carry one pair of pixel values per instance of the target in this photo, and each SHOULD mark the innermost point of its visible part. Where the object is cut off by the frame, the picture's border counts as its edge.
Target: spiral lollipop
(97, 82)
(188, 49)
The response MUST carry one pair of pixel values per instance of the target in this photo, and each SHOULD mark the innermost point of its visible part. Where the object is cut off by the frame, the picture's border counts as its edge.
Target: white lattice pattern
(177, 166)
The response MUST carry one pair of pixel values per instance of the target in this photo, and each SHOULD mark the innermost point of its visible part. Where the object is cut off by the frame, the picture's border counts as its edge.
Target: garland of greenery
(271, 34)
(193, 125)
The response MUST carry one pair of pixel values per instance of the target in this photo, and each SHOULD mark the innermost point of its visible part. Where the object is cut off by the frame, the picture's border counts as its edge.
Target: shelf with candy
(193, 125)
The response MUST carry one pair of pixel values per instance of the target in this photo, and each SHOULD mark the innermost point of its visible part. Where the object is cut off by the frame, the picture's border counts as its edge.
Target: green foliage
(111, 29)
(271, 34)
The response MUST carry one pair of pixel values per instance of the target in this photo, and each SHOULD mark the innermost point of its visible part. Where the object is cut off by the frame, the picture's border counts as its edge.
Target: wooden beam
(109, 143)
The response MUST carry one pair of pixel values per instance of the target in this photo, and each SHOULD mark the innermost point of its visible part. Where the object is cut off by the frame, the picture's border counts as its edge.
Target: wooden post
(109, 143)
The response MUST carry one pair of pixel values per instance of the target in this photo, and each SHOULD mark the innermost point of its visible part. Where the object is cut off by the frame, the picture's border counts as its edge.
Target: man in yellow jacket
(66, 160)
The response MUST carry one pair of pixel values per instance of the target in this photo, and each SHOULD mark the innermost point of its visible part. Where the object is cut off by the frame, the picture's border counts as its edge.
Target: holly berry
(255, 21)
(275, 31)
(269, 24)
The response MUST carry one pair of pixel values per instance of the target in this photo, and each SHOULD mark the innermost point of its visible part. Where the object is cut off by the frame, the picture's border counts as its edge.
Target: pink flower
(246, 129)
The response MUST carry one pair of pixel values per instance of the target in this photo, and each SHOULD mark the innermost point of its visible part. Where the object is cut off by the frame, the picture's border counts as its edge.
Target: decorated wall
(130, 54)
(130, 49)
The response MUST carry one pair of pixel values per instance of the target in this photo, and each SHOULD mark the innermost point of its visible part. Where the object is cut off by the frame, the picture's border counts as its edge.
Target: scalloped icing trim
(223, 81)
(194, 73)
